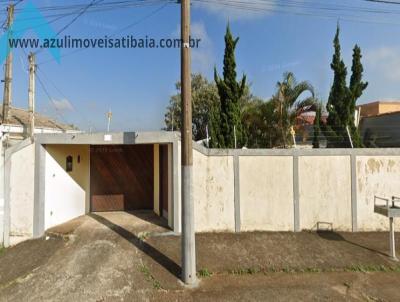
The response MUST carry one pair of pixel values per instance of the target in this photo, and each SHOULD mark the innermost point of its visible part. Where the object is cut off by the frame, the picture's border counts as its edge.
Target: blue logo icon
(29, 19)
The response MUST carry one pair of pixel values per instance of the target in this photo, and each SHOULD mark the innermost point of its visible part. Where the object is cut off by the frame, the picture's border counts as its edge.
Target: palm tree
(289, 106)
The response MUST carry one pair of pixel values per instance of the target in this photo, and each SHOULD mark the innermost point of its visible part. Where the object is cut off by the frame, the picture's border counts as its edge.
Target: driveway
(135, 257)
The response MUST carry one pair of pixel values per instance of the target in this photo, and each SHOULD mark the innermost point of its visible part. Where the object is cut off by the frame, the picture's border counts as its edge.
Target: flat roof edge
(104, 138)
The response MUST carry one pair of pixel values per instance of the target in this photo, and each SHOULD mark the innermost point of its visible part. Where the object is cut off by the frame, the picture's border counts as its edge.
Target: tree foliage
(230, 93)
(338, 107)
(357, 86)
(288, 105)
(342, 99)
(204, 97)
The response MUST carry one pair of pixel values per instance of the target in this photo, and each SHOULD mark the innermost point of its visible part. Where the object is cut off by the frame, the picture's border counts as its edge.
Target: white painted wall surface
(64, 198)
(380, 176)
(22, 194)
(266, 193)
(178, 206)
(325, 191)
(213, 193)
(1, 191)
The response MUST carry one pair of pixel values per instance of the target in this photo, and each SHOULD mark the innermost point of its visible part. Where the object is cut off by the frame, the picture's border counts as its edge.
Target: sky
(136, 84)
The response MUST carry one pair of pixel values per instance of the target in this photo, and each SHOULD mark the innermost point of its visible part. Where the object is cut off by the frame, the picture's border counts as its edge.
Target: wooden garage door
(121, 178)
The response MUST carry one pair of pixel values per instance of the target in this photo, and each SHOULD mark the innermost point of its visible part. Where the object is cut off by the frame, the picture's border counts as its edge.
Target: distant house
(304, 129)
(18, 123)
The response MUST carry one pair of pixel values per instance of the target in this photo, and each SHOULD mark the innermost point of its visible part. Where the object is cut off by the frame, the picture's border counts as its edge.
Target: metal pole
(188, 233)
(8, 68)
(234, 135)
(208, 137)
(392, 240)
(31, 94)
(109, 116)
(348, 133)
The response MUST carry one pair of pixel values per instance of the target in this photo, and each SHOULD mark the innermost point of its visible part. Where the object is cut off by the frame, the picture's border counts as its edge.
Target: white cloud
(238, 11)
(62, 105)
(203, 58)
(383, 62)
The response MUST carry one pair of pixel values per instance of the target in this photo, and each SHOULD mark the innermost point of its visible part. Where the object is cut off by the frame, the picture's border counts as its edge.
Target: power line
(144, 18)
(86, 120)
(298, 8)
(51, 99)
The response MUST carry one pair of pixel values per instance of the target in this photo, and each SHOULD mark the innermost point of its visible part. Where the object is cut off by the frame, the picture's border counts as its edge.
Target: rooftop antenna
(109, 116)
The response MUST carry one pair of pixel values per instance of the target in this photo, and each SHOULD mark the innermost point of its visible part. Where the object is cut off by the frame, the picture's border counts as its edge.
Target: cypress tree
(357, 86)
(317, 126)
(338, 102)
(230, 92)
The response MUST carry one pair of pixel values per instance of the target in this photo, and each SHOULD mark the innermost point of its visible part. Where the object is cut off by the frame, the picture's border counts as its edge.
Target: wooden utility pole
(31, 94)
(8, 68)
(188, 233)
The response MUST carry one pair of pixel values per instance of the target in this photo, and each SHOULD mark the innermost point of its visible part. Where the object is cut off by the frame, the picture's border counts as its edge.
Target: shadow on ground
(152, 252)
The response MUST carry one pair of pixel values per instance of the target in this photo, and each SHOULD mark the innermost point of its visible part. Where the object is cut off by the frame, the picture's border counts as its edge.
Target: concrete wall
(325, 192)
(293, 190)
(66, 193)
(266, 193)
(21, 193)
(213, 193)
(376, 175)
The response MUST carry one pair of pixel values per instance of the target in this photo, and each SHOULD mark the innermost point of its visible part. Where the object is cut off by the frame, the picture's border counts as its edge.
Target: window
(68, 166)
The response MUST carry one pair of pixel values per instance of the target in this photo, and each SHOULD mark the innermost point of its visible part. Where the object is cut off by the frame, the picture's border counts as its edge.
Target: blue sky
(137, 84)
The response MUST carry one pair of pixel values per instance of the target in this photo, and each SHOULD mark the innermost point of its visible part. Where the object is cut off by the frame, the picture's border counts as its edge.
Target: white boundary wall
(266, 193)
(213, 193)
(376, 175)
(293, 190)
(21, 167)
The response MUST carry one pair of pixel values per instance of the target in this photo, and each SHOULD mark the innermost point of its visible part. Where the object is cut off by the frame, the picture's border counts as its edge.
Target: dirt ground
(134, 257)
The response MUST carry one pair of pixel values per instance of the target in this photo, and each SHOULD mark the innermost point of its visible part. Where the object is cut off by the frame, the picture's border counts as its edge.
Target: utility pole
(31, 94)
(8, 68)
(188, 232)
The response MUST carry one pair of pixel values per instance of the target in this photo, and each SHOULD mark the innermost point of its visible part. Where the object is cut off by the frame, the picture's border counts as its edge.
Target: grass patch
(204, 273)
(2, 250)
(245, 271)
(143, 236)
(149, 277)
(315, 270)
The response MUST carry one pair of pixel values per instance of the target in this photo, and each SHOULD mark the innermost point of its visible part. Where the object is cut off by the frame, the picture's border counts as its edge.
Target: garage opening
(121, 178)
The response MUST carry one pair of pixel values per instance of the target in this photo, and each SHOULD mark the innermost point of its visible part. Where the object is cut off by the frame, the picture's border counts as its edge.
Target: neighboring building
(379, 124)
(381, 131)
(377, 108)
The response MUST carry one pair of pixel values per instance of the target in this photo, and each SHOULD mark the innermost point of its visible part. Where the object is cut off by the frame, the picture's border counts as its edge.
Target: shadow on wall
(156, 255)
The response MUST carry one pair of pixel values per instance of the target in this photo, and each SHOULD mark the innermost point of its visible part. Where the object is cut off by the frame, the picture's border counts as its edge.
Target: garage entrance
(121, 177)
